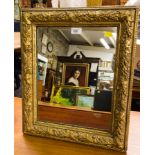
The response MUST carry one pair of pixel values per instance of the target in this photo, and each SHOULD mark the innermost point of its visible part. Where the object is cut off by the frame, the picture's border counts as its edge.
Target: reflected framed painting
(85, 101)
(75, 74)
(67, 95)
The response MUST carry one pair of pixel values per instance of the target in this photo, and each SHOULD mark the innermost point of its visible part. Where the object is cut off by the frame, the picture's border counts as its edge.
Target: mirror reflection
(75, 73)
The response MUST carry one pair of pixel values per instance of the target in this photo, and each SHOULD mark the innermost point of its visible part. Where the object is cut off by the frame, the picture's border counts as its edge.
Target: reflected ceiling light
(113, 41)
(104, 43)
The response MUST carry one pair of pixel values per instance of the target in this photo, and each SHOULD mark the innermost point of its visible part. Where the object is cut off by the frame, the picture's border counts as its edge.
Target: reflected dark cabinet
(106, 97)
(50, 79)
(93, 76)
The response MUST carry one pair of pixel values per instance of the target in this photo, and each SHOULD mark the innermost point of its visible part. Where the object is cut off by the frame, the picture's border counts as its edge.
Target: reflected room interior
(75, 74)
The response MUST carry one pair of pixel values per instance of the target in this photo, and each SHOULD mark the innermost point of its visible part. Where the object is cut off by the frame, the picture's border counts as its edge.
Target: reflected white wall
(91, 51)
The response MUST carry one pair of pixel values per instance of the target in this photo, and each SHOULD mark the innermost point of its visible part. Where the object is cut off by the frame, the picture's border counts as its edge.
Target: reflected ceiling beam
(64, 35)
(113, 41)
(86, 39)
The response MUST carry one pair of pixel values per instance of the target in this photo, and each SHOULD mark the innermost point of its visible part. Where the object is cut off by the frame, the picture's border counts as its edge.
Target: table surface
(31, 145)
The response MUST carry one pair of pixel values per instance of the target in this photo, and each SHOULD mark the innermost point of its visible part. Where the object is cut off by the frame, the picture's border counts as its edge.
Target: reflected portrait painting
(75, 74)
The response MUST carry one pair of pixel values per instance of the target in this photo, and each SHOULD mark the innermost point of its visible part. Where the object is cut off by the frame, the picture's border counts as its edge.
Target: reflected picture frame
(43, 60)
(85, 101)
(66, 95)
(70, 68)
(125, 19)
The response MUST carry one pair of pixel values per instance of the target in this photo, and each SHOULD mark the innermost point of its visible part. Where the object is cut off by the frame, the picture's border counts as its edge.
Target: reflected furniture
(75, 116)
(40, 89)
(106, 97)
(89, 60)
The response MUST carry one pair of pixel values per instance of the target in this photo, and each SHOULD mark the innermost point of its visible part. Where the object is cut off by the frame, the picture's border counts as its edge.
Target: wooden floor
(31, 145)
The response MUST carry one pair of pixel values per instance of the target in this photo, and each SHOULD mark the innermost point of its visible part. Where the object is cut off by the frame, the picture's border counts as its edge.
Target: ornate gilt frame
(125, 19)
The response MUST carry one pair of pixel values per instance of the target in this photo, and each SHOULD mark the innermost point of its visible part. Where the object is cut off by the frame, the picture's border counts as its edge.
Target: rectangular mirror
(77, 74)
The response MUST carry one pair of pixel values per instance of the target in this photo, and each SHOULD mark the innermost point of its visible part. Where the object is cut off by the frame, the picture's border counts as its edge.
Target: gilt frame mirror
(113, 135)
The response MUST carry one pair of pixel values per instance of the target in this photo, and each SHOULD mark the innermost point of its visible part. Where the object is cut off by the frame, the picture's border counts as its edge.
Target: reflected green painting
(67, 95)
(85, 101)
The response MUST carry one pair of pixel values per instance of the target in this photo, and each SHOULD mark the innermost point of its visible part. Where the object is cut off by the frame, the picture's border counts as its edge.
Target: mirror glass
(75, 74)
